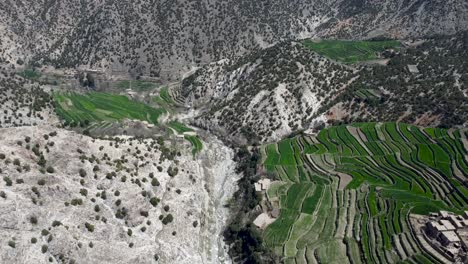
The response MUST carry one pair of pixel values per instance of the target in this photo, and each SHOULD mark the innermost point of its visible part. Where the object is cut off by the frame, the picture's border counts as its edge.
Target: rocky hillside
(279, 90)
(167, 38)
(426, 84)
(266, 95)
(68, 198)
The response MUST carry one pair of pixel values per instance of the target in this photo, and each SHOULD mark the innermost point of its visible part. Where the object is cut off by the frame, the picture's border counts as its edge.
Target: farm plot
(396, 169)
(95, 107)
(137, 85)
(197, 145)
(350, 51)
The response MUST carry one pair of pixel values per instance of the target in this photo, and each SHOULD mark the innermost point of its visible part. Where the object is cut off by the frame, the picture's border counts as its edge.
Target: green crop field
(179, 127)
(350, 51)
(347, 197)
(95, 107)
(137, 85)
(30, 74)
(197, 145)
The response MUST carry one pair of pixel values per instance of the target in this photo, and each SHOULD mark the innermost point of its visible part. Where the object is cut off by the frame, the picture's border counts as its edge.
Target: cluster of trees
(243, 238)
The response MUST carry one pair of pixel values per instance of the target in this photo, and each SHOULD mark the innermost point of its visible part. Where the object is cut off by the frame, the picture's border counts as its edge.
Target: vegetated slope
(166, 38)
(288, 87)
(70, 198)
(22, 102)
(265, 95)
(345, 194)
(435, 96)
(94, 107)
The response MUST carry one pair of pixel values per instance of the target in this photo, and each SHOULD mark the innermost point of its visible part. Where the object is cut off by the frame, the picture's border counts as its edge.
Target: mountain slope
(167, 38)
(273, 92)
(268, 94)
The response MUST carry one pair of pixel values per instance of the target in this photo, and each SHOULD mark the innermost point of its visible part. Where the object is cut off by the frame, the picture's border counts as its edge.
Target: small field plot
(197, 145)
(30, 74)
(94, 107)
(179, 127)
(346, 197)
(137, 85)
(350, 51)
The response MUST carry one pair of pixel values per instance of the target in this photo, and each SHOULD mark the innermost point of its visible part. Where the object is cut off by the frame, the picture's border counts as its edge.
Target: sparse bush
(82, 172)
(8, 181)
(154, 201)
(12, 243)
(50, 169)
(41, 182)
(168, 219)
(144, 213)
(33, 220)
(76, 202)
(84, 192)
(89, 226)
(155, 182)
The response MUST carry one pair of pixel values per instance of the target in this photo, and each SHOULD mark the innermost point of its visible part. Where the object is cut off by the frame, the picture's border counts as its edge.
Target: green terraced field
(179, 127)
(137, 85)
(30, 74)
(197, 145)
(96, 107)
(392, 170)
(350, 51)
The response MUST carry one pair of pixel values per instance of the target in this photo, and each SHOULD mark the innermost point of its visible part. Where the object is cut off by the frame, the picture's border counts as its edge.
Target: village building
(413, 69)
(449, 238)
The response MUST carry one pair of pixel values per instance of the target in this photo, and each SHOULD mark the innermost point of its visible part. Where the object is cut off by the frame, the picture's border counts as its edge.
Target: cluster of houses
(448, 234)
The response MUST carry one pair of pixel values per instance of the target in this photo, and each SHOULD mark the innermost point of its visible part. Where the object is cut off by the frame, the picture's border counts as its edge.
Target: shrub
(44, 248)
(144, 213)
(84, 192)
(56, 223)
(154, 201)
(33, 220)
(2, 156)
(44, 232)
(8, 181)
(172, 171)
(129, 232)
(33, 240)
(41, 182)
(166, 208)
(89, 226)
(82, 172)
(12, 244)
(168, 219)
(3, 194)
(96, 208)
(155, 182)
(50, 169)
(76, 202)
